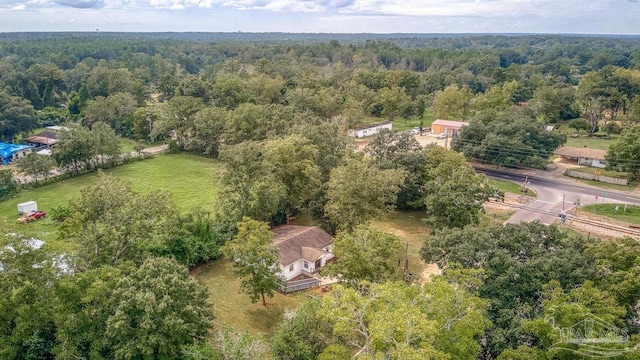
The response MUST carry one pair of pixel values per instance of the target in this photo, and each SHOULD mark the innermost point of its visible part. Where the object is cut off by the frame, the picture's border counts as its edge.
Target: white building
(370, 129)
(303, 250)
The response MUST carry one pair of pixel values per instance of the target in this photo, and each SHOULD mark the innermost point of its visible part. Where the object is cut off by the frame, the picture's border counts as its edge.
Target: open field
(402, 124)
(591, 142)
(582, 140)
(234, 308)
(631, 215)
(189, 178)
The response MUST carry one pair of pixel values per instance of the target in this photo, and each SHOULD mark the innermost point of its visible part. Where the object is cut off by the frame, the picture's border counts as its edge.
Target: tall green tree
(27, 329)
(363, 255)
(255, 259)
(106, 142)
(113, 223)
(292, 162)
(8, 185)
(452, 103)
(157, 309)
(35, 165)
(396, 321)
(17, 116)
(247, 187)
(518, 260)
(508, 139)
(75, 147)
(394, 102)
(625, 154)
(83, 305)
(585, 309)
(117, 110)
(453, 194)
(294, 339)
(358, 191)
(393, 150)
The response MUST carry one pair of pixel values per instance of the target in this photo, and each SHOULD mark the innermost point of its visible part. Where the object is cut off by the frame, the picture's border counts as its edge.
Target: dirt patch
(428, 272)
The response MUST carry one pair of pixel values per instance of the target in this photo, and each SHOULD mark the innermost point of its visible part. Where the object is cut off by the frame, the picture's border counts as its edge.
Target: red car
(32, 216)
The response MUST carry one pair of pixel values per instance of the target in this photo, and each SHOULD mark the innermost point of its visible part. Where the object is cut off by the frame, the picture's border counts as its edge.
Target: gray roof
(300, 242)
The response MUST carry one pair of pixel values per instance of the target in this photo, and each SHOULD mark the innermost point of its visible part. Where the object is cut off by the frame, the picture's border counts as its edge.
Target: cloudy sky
(326, 16)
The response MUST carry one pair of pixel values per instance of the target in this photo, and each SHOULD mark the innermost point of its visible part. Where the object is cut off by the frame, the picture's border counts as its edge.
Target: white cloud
(568, 16)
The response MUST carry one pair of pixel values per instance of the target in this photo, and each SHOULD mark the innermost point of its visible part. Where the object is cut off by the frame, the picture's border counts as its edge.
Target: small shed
(585, 156)
(370, 129)
(450, 127)
(27, 207)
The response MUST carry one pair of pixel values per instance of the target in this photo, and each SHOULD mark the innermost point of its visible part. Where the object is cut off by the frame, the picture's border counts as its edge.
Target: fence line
(602, 178)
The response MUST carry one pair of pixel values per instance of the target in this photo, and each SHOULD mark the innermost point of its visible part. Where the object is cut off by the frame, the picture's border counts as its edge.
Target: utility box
(27, 207)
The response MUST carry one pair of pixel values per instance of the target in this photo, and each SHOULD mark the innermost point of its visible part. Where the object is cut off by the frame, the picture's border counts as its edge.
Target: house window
(291, 268)
(306, 265)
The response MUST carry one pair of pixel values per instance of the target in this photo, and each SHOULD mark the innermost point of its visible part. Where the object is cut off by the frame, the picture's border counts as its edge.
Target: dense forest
(274, 110)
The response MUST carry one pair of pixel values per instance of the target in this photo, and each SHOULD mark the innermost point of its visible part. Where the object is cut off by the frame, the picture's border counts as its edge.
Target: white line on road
(546, 202)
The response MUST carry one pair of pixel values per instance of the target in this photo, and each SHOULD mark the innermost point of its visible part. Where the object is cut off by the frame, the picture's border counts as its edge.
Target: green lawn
(408, 226)
(631, 215)
(582, 140)
(591, 142)
(510, 187)
(402, 124)
(189, 178)
(234, 308)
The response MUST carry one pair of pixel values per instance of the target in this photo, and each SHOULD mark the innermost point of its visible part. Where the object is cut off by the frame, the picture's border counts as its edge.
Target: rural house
(585, 156)
(370, 129)
(303, 250)
(43, 139)
(450, 127)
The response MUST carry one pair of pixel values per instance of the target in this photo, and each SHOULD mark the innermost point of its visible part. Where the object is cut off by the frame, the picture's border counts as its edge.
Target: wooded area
(274, 110)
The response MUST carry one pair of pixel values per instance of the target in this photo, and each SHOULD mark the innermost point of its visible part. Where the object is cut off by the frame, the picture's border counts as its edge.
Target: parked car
(415, 130)
(441, 136)
(32, 216)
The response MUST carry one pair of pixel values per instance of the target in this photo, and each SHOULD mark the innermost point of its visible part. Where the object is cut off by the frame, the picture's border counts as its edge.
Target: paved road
(551, 192)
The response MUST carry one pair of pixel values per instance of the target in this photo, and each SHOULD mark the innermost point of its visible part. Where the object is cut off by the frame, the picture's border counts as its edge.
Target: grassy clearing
(631, 215)
(411, 230)
(510, 187)
(402, 124)
(591, 142)
(189, 178)
(583, 140)
(234, 308)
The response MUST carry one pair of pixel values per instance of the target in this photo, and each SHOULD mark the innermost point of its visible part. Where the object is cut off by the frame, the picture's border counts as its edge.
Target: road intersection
(555, 195)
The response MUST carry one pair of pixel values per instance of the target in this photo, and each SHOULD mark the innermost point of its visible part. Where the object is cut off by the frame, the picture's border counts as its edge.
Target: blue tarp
(8, 150)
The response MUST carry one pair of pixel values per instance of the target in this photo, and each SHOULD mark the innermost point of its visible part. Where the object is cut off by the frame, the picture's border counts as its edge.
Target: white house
(370, 129)
(585, 156)
(303, 250)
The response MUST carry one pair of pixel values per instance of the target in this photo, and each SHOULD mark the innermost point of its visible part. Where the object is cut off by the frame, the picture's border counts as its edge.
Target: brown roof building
(302, 249)
(44, 138)
(585, 156)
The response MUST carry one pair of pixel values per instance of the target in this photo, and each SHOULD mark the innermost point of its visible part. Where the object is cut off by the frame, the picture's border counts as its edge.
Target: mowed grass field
(190, 178)
(629, 214)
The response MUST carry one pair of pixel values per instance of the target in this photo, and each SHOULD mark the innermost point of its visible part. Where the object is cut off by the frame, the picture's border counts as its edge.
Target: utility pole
(563, 202)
